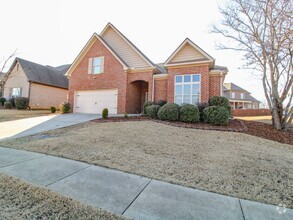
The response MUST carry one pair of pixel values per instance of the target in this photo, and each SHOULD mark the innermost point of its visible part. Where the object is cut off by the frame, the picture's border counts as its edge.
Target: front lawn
(20, 200)
(13, 114)
(229, 163)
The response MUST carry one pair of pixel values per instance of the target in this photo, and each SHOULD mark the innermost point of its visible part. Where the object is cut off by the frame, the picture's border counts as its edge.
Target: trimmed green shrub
(145, 105)
(201, 106)
(152, 110)
(105, 113)
(21, 102)
(64, 107)
(169, 112)
(161, 102)
(216, 115)
(12, 101)
(7, 105)
(53, 109)
(220, 101)
(2, 100)
(189, 113)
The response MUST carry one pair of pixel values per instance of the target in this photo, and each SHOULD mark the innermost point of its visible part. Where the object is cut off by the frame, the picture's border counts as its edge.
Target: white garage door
(94, 101)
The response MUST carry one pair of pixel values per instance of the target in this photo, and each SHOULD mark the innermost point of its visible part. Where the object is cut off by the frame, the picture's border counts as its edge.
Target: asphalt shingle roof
(47, 75)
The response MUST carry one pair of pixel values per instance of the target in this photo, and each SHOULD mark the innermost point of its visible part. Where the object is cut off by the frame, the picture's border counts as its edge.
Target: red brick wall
(251, 112)
(113, 77)
(203, 70)
(161, 86)
(215, 85)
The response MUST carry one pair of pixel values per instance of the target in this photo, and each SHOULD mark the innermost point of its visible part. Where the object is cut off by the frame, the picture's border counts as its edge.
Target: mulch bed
(258, 129)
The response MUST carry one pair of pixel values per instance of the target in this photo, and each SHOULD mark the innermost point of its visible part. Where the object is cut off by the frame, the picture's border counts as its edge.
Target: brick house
(45, 86)
(239, 98)
(111, 72)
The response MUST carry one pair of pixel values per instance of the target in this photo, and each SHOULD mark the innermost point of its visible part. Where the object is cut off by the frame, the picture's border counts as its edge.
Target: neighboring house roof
(47, 75)
(188, 52)
(233, 87)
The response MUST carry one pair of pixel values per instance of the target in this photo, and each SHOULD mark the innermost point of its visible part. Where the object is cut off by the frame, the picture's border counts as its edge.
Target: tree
(263, 31)
(3, 65)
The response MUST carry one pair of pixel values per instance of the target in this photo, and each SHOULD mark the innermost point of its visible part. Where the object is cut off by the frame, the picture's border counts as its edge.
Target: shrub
(216, 115)
(145, 105)
(152, 110)
(21, 102)
(201, 107)
(161, 102)
(126, 115)
(220, 101)
(53, 109)
(189, 113)
(12, 101)
(2, 100)
(105, 113)
(64, 107)
(7, 105)
(169, 111)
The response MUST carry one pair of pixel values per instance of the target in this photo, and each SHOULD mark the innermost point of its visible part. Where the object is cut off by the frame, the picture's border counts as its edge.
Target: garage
(94, 101)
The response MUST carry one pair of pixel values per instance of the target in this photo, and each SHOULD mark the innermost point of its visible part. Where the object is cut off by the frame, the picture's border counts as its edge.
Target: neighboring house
(239, 98)
(2, 79)
(111, 72)
(45, 86)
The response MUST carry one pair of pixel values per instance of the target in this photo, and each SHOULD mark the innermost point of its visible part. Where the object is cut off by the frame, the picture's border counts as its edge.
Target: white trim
(158, 76)
(191, 83)
(118, 32)
(190, 63)
(210, 59)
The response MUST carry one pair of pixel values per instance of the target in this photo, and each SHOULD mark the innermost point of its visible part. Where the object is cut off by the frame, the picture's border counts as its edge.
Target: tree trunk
(276, 119)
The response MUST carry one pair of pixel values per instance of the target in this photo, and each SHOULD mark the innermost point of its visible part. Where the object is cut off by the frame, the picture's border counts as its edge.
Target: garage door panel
(94, 101)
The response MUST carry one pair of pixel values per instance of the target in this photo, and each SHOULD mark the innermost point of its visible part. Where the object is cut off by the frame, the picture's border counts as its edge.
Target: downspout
(221, 82)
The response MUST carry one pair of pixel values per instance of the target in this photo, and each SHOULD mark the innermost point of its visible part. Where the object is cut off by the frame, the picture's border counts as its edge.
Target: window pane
(195, 99)
(97, 61)
(195, 89)
(178, 79)
(178, 99)
(187, 89)
(16, 92)
(186, 99)
(178, 90)
(195, 78)
(97, 69)
(187, 78)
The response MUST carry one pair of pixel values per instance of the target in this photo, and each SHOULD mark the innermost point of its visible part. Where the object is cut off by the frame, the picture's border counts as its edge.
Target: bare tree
(263, 31)
(3, 65)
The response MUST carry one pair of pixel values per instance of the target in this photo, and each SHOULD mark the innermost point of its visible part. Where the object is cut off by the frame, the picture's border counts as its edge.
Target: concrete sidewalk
(130, 195)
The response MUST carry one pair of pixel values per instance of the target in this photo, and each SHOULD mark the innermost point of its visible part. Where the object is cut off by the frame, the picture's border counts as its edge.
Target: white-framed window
(96, 65)
(187, 89)
(233, 95)
(16, 92)
(242, 95)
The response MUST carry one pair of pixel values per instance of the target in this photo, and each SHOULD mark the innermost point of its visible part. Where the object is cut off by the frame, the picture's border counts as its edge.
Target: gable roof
(47, 75)
(125, 48)
(188, 53)
(233, 87)
(85, 49)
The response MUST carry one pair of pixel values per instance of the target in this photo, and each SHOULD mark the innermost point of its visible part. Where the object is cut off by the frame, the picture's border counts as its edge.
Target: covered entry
(94, 101)
(137, 96)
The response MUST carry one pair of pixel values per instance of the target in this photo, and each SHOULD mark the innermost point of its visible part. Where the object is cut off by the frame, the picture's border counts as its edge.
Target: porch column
(243, 105)
(234, 105)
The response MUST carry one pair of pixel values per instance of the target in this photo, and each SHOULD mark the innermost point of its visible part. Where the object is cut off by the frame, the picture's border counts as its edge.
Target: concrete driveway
(29, 126)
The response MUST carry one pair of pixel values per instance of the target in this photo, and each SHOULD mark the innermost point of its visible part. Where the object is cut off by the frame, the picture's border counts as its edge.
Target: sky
(53, 32)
